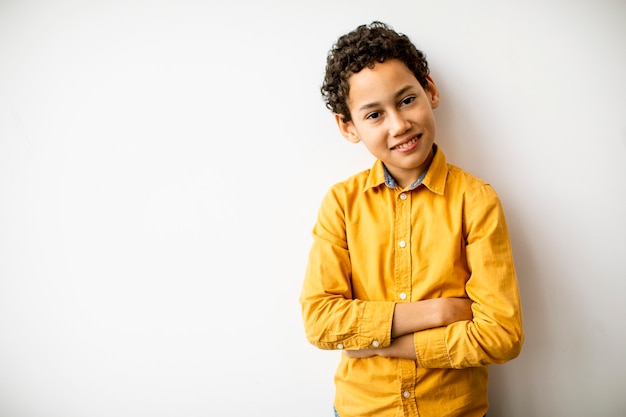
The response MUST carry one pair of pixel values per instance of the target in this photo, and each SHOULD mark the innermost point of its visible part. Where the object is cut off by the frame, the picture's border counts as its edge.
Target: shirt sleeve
(495, 335)
(332, 318)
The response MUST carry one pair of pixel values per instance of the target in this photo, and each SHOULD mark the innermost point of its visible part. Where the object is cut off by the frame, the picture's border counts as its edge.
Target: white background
(162, 163)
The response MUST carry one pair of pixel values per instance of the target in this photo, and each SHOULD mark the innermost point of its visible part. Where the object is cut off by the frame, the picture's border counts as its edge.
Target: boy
(410, 272)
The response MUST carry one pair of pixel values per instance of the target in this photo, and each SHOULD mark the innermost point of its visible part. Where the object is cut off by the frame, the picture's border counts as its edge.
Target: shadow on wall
(518, 388)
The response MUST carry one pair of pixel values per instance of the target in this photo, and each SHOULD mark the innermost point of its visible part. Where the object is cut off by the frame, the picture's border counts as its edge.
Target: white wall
(162, 162)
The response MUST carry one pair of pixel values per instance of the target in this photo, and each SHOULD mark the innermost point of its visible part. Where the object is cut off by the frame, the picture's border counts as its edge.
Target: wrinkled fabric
(375, 246)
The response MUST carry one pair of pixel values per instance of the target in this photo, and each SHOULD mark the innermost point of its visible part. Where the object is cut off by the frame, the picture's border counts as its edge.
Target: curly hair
(364, 47)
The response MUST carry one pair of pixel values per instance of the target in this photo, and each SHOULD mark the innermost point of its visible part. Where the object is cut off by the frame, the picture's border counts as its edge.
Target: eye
(373, 115)
(408, 100)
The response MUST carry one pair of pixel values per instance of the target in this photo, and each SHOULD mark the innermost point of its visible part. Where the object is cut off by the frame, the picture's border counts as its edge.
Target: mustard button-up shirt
(375, 246)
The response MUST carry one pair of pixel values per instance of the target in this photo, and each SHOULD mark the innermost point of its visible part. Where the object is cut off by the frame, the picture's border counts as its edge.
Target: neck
(407, 178)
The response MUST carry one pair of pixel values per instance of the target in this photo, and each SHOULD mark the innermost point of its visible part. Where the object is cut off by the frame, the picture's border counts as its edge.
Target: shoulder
(477, 196)
(337, 203)
(460, 177)
(350, 187)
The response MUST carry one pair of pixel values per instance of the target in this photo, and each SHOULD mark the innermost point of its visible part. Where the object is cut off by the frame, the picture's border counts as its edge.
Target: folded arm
(414, 317)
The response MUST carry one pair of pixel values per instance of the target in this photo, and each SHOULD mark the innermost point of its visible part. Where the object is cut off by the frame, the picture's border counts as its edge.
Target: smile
(407, 145)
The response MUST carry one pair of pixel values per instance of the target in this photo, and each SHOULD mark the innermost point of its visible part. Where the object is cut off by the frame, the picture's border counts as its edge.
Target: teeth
(406, 145)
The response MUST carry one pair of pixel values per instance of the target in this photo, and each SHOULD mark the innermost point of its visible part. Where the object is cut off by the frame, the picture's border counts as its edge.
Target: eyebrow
(398, 94)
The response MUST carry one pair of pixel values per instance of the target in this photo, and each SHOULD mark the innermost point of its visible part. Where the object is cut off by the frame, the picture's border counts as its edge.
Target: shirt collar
(434, 177)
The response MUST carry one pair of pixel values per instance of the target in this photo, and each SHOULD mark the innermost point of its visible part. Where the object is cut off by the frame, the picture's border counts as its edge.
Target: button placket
(402, 233)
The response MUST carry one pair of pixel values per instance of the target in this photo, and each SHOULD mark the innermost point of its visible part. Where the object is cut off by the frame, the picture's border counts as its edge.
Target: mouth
(409, 144)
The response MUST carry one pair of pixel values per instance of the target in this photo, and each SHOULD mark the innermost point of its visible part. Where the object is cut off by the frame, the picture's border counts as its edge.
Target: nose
(398, 123)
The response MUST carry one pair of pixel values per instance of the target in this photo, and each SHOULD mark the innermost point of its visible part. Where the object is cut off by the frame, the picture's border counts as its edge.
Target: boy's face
(393, 116)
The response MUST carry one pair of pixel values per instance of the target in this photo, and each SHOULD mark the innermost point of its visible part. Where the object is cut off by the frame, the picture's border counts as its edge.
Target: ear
(347, 129)
(433, 92)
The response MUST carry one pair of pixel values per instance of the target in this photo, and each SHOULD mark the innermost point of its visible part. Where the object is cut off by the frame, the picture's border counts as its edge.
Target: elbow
(516, 346)
(510, 352)
(509, 348)
(320, 339)
(327, 332)
(315, 328)
(312, 334)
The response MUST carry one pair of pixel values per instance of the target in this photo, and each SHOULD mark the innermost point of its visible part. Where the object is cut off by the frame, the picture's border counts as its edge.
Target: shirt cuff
(375, 325)
(430, 348)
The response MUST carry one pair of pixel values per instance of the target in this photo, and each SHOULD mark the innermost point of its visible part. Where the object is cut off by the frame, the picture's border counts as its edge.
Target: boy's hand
(428, 314)
(455, 309)
(402, 347)
(363, 353)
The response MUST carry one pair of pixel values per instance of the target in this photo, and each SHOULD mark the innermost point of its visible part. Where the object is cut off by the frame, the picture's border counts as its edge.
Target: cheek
(430, 120)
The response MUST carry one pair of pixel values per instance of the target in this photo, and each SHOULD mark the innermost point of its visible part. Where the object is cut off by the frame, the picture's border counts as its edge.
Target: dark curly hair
(364, 47)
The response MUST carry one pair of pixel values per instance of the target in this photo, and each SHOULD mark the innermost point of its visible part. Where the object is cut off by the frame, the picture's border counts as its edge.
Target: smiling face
(392, 114)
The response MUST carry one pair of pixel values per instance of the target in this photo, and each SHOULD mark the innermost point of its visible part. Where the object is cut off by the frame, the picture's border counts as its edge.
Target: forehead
(380, 83)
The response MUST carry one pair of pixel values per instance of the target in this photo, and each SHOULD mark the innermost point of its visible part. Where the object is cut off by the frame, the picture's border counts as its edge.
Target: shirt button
(339, 346)
(402, 296)
(375, 343)
(402, 196)
(406, 394)
(402, 243)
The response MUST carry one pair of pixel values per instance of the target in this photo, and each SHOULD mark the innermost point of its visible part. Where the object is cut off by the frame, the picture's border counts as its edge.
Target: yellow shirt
(373, 247)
